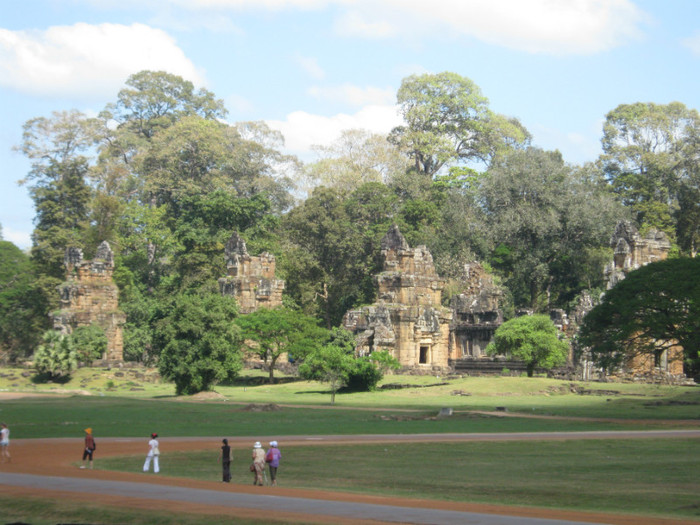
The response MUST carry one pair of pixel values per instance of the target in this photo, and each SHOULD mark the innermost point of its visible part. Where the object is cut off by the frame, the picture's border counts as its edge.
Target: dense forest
(165, 179)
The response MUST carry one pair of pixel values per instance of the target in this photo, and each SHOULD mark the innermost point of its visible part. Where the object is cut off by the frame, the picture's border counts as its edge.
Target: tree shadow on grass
(45, 377)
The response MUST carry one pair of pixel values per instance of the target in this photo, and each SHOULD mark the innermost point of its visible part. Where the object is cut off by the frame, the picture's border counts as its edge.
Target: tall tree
(447, 120)
(199, 342)
(22, 313)
(270, 333)
(547, 221)
(154, 100)
(645, 151)
(355, 158)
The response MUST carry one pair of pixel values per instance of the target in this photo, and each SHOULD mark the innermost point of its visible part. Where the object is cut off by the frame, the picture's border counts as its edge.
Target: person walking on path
(273, 460)
(89, 447)
(258, 466)
(153, 453)
(225, 457)
(5, 443)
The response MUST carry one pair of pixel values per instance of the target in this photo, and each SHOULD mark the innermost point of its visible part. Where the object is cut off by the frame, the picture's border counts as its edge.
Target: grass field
(641, 477)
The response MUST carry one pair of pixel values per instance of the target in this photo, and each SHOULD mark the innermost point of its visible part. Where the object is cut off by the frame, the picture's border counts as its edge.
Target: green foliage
(448, 120)
(648, 152)
(364, 376)
(90, 343)
(329, 363)
(533, 339)
(654, 308)
(546, 222)
(21, 304)
(272, 332)
(199, 342)
(56, 357)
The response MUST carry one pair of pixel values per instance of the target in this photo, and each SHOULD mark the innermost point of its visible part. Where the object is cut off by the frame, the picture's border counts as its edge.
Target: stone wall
(89, 296)
(251, 280)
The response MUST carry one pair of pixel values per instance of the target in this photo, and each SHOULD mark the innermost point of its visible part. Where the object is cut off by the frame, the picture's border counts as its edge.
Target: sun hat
(257, 445)
(273, 443)
(88, 430)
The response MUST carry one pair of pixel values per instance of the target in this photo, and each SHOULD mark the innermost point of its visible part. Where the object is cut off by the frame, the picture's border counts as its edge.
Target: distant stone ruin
(476, 314)
(632, 251)
(89, 296)
(251, 280)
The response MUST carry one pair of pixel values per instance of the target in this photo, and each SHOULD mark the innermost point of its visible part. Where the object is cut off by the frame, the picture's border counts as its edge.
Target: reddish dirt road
(64, 453)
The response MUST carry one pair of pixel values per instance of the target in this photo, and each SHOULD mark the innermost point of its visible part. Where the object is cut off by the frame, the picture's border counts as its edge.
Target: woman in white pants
(153, 454)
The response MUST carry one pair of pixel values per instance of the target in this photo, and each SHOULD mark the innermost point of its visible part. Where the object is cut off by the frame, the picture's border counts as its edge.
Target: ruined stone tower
(89, 296)
(476, 314)
(407, 320)
(251, 280)
(633, 251)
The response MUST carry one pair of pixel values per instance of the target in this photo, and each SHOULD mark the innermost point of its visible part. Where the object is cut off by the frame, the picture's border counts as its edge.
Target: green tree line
(164, 178)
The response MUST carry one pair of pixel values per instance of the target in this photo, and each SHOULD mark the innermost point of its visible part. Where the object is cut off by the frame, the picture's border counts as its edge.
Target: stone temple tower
(251, 280)
(89, 296)
(407, 320)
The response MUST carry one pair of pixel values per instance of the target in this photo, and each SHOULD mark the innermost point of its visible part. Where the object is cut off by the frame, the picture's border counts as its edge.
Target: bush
(90, 343)
(56, 357)
(364, 376)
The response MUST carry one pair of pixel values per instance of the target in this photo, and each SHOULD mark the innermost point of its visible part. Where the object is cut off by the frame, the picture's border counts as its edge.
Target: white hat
(257, 445)
(273, 443)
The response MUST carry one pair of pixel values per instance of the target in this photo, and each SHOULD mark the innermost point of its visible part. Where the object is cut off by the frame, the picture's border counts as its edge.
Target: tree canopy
(654, 308)
(447, 120)
(533, 339)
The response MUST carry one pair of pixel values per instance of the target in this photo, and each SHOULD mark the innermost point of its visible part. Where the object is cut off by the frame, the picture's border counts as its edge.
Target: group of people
(259, 459)
(257, 467)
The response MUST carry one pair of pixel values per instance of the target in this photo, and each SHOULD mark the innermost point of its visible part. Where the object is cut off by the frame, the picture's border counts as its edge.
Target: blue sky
(311, 68)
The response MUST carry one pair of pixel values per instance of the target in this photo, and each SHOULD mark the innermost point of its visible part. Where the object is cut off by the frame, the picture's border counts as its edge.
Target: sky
(312, 68)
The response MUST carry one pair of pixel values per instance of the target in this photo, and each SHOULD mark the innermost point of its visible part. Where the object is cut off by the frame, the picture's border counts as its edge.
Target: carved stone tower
(407, 320)
(89, 296)
(251, 280)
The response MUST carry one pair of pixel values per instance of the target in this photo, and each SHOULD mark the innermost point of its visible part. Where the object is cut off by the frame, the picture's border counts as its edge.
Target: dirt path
(65, 452)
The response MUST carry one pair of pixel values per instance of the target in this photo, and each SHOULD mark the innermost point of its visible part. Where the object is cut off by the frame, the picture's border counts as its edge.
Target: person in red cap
(153, 453)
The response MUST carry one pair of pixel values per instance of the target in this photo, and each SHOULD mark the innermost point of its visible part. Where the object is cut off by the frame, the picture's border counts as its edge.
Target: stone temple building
(632, 251)
(407, 320)
(89, 296)
(251, 280)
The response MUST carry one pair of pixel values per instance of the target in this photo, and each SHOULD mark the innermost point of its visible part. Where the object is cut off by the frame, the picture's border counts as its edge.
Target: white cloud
(87, 60)
(354, 23)
(536, 26)
(310, 65)
(302, 130)
(693, 43)
(355, 95)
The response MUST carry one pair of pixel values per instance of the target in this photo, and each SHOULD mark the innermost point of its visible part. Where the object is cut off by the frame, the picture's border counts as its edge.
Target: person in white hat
(258, 465)
(272, 458)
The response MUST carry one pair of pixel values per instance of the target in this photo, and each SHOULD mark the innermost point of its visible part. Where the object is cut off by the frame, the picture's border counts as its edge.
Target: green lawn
(639, 477)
